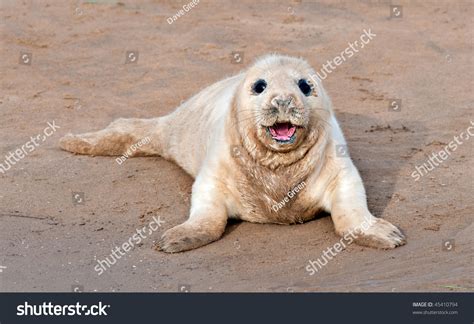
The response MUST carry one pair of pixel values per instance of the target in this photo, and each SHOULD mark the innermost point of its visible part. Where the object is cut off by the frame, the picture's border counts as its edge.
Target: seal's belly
(268, 207)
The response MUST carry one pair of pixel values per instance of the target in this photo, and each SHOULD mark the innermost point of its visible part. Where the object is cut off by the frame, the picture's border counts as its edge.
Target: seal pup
(249, 141)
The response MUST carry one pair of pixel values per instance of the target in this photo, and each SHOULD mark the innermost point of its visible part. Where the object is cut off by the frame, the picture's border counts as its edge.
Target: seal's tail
(130, 137)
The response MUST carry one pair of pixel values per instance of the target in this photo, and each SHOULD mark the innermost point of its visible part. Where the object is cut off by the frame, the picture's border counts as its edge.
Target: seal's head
(281, 104)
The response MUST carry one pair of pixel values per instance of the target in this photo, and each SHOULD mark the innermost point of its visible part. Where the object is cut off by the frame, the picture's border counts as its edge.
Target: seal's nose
(282, 102)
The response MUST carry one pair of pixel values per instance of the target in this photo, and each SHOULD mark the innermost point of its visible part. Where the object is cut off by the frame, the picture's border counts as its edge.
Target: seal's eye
(259, 86)
(304, 87)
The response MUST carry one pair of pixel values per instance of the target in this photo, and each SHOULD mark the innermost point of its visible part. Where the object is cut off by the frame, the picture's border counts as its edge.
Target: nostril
(275, 102)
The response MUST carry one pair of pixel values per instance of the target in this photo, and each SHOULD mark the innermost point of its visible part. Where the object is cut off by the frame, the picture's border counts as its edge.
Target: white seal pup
(262, 147)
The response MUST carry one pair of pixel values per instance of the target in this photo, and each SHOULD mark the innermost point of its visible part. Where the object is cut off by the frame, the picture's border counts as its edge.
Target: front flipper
(206, 223)
(351, 215)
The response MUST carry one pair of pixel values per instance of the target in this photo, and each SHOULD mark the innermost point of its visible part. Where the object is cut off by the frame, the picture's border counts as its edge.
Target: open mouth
(282, 132)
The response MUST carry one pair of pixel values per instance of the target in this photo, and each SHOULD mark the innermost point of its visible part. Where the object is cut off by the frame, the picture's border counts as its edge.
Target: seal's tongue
(282, 131)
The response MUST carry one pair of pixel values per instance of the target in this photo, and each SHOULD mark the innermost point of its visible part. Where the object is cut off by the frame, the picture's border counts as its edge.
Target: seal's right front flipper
(207, 220)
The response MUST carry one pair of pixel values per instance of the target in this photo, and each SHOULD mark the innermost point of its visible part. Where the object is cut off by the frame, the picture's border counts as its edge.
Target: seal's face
(281, 103)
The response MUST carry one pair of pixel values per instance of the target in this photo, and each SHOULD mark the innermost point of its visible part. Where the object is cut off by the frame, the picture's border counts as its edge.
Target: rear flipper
(134, 136)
